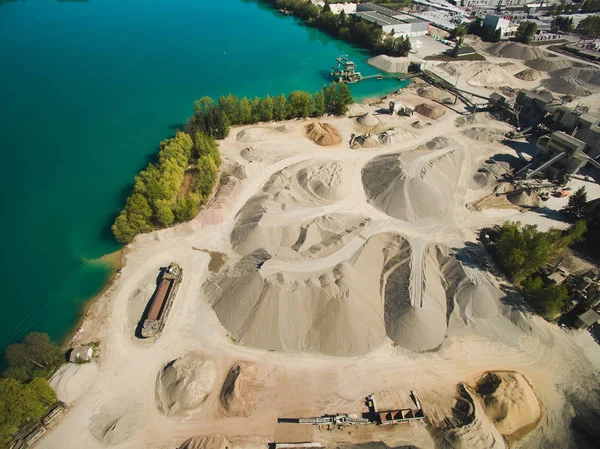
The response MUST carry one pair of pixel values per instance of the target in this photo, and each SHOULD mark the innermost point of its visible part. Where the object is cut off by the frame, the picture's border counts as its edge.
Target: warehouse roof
(378, 18)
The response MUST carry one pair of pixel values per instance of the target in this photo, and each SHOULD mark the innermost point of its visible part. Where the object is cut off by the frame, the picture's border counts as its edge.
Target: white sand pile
(323, 134)
(336, 310)
(491, 77)
(568, 85)
(524, 199)
(483, 134)
(516, 50)
(252, 135)
(72, 381)
(431, 93)
(390, 64)
(474, 430)
(528, 75)
(430, 110)
(368, 119)
(317, 237)
(184, 384)
(489, 174)
(548, 64)
(379, 140)
(508, 401)
(477, 301)
(414, 185)
(470, 119)
(309, 183)
(586, 75)
(117, 420)
(415, 315)
(286, 129)
(219, 442)
(236, 396)
(418, 124)
(207, 442)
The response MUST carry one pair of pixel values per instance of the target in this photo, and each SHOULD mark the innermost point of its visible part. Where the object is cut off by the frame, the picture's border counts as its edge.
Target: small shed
(81, 354)
(587, 319)
(559, 276)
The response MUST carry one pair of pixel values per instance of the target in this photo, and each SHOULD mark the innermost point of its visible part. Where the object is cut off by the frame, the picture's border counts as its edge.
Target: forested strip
(24, 390)
(347, 27)
(172, 189)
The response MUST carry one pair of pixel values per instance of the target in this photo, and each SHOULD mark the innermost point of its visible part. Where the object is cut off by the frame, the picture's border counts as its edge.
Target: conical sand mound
(368, 119)
(390, 64)
(528, 75)
(515, 50)
(549, 64)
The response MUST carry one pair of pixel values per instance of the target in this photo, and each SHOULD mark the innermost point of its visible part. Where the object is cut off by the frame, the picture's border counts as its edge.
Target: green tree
(300, 104)
(526, 31)
(548, 300)
(266, 109)
(230, 104)
(207, 175)
(245, 111)
(37, 355)
(164, 214)
(577, 206)
(20, 402)
(279, 107)
(590, 26)
(319, 104)
(187, 208)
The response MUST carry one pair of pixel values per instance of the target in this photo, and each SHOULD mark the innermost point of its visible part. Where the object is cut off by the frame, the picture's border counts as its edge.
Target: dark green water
(87, 90)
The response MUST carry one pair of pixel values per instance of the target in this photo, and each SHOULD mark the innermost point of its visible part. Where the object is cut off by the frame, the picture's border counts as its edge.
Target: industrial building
(391, 21)
(565, 151)
(496, 22)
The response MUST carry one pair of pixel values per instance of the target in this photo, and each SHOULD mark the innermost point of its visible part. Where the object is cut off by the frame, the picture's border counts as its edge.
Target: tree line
(172, 189)
(350, 28)
(159, 196)
(24, 390)
(522, 251)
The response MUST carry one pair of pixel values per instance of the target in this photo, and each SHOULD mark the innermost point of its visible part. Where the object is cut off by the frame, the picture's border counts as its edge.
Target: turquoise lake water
(87, 91)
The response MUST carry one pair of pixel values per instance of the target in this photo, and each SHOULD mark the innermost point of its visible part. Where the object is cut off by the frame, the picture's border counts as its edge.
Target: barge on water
(162, 300)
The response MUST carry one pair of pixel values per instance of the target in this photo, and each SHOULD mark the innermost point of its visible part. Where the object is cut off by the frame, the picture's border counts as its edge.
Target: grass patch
(190, 182)
(553, 42)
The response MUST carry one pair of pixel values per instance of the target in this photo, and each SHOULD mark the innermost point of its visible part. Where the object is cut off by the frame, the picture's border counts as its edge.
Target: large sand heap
(345, 309)
(508, 401)
(207, 442)
(184, 384)
(390, 64)
(309, 183)
(431, 93)
(472, 430)
(416, 309)
(587, 75)
(323, 134)
(236, 396)
(528, 75)
(219, 442)
(336, 310)
(515, 50)
(368, 119)
(72, 380)
(523, 198)
(250, 135)
(413, 185)
(477, 301)
(317, 237)
(548, 64)
(483, 134)
(430, 110)
(491, 77)
(568, 85)
(117, 420)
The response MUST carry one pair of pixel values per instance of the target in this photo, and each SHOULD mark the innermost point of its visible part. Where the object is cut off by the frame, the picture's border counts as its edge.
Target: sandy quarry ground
(348, 272)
